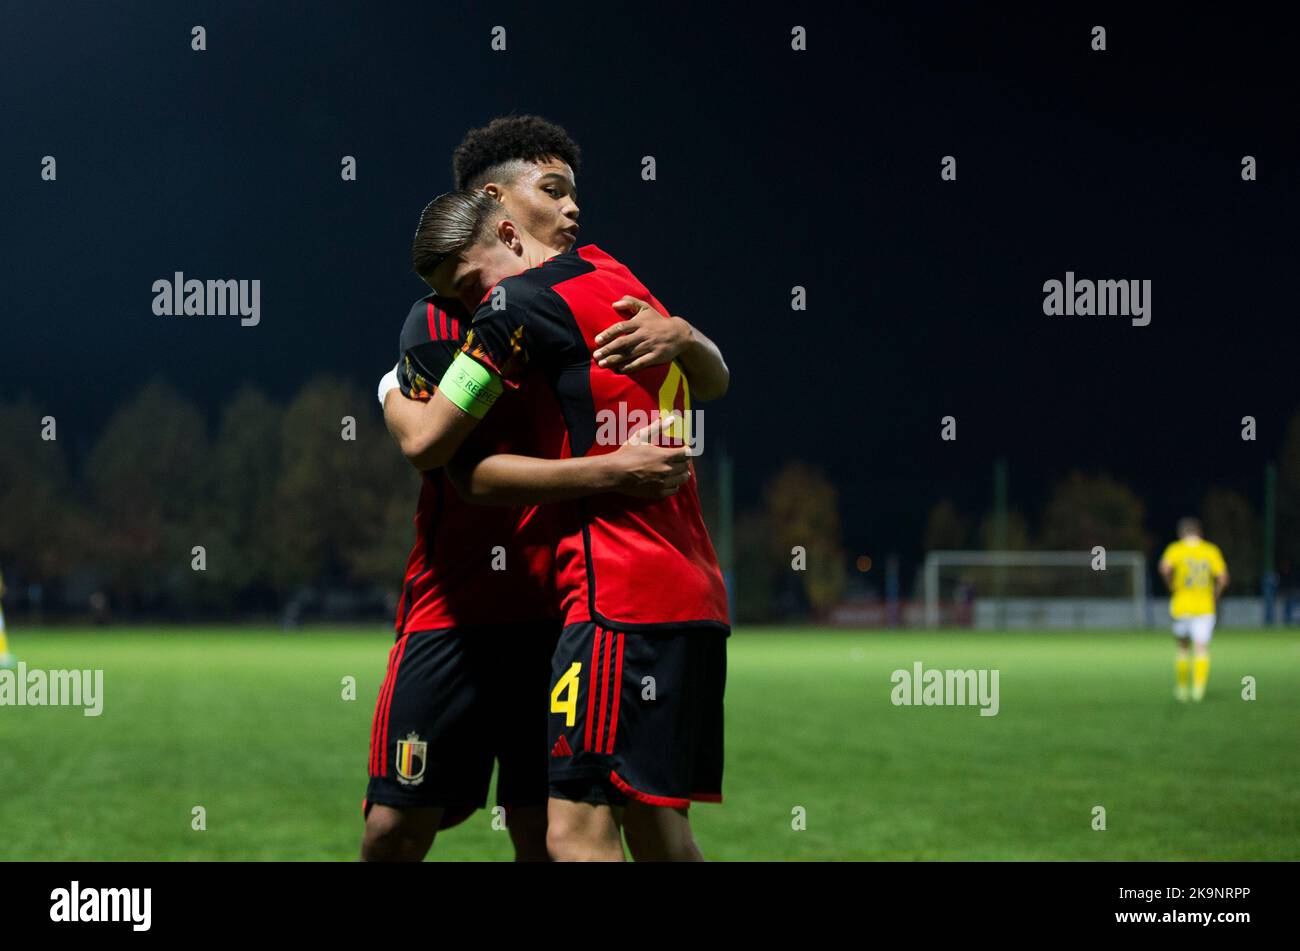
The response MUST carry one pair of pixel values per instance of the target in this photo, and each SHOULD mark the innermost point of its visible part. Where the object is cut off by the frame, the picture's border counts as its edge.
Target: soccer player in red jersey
(477, 623)
(477, 620)
(637, 678)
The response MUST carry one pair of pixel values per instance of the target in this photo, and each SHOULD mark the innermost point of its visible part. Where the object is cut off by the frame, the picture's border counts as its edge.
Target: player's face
(544, 200)
(470, 274)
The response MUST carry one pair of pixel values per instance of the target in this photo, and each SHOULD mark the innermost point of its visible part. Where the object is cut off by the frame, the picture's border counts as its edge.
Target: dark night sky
(775, 168)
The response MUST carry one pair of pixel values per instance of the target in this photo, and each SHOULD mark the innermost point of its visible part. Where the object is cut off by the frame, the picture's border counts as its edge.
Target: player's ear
(508, 233)
(492, 190)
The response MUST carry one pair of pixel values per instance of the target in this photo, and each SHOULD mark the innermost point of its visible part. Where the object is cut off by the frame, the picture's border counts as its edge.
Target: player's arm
(492, 357)
(429, 432)
(1220, 578)
(1166, 569)
(646, 339)
(638, 468)
(704, 367)
(412, 427)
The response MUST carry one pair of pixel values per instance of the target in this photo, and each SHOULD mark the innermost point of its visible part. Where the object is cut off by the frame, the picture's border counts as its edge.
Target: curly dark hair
(509, 139)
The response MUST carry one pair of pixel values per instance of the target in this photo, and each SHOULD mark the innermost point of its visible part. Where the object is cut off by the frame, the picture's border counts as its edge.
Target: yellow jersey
(1196, 564)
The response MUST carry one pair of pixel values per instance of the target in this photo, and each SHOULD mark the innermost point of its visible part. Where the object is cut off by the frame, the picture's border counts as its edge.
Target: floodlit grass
(249, 723)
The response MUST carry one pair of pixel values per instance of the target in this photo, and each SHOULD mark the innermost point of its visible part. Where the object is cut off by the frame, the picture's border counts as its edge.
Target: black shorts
(637, 715)
(454, 701)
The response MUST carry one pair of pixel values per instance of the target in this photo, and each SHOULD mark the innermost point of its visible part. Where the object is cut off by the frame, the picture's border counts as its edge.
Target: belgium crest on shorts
(411, 755)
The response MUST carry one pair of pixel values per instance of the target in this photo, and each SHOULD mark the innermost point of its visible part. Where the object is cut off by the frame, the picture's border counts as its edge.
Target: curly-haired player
(467, 672)
(508, 147)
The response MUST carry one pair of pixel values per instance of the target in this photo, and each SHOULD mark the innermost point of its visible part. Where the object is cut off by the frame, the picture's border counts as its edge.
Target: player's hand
(646, 470)
(644, 339)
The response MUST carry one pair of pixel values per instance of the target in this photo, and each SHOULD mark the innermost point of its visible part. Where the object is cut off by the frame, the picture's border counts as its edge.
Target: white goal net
(1035, 589)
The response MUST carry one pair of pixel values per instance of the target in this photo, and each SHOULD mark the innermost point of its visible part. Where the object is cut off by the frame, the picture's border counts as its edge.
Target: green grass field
(249, 724)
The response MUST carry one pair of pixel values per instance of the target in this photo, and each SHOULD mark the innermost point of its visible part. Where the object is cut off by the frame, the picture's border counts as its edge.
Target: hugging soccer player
(477, 621)
(1196, 574)
(638, 675)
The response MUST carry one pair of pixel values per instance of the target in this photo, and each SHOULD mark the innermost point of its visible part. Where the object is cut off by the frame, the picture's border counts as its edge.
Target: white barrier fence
(1050, 613)
(1042, 614)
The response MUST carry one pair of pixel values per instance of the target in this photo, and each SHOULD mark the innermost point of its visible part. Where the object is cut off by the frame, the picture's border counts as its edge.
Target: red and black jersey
(622, 562)
(453, 576)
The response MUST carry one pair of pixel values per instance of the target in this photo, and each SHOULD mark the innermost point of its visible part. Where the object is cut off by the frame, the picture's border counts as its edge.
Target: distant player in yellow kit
(1196, 574)
(6, 658)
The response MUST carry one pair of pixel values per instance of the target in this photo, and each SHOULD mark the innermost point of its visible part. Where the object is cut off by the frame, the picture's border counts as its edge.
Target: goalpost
(1041, 588)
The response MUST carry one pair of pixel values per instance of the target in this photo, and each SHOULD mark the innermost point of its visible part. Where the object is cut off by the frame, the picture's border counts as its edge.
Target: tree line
(276, 498)
(282, 499)
(800, 509)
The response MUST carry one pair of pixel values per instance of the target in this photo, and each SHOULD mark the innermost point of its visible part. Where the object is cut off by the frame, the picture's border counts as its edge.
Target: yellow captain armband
(470, 385)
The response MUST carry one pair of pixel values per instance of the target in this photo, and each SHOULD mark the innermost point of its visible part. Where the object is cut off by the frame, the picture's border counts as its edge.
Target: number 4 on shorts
(567, 686)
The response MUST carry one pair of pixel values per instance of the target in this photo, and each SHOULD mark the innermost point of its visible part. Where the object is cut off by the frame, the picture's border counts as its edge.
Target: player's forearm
(428, 432)
(704, 367)
(410, 428)
(507, 479)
